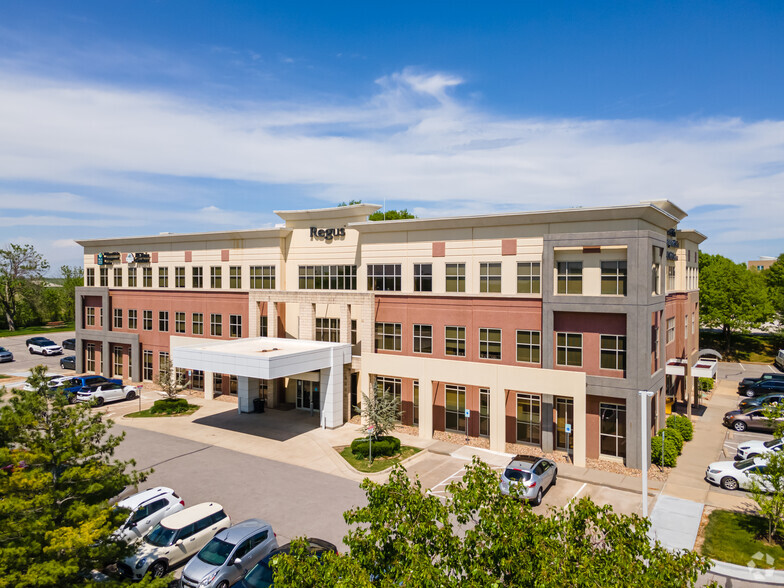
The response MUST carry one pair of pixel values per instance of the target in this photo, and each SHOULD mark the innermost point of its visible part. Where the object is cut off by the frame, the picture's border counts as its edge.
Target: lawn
(735, 537)
(38, 330)
(147, 414)
(380, 463)
(754, 348)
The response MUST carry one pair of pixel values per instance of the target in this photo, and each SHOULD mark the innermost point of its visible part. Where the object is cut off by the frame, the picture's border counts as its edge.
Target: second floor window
(197, 274)
(454, 341)
(163, 321)
(262, 277)
(131, 277)
(327, 277)
(163, 277)
(89, 316)
(328, 329)
(423, 338)
(569, 349)
(147, 277)
(104, 274)
(179, 277)
(490, 343)
(455, 277)
(529, 277)
(179, 322)
(670, 278)
(197, 323)
(132, 320)
(613, 352)
(383, 277)
(529, 346)
(235, 325)
(147, 320)
(389, 336)
(216, 325)
(570, 277)
(118, 315)
(490, 277)
(90, 281)
(235, 276)
(423, 277)
(215, 277)
(614, 278)
(118, 277)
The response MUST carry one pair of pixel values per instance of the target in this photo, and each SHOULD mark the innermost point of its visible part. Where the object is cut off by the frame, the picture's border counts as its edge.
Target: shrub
(682, 424)
(705, 384)
(170, 406)
(383, 446)
(675, 435)
(669, 457)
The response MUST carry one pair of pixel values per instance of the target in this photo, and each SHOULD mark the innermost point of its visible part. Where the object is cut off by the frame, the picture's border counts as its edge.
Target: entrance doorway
(308, 396)
(564, 415)
(354, 399)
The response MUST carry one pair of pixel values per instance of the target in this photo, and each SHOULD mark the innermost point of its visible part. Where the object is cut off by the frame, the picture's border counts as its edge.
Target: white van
(780, 360)
(175, 539)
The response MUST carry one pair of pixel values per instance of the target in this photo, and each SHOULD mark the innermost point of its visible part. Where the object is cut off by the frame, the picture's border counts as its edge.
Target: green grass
(380, 463)
(735, 537)
(147, 414)
(754, 348)
(37, 330)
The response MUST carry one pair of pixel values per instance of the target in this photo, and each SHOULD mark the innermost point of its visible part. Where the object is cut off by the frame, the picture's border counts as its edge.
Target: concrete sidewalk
(675, 522)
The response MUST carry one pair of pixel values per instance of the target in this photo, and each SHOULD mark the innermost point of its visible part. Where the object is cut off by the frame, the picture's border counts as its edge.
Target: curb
(747, 573)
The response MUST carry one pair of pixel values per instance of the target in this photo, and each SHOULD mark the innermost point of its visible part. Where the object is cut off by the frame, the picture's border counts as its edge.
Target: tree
(380, 410)
(478, 537)
(21, 275)
(774, 279)
(732, 298)
(383, 215)
(55, 521)
(767, 489)
(73, 278)
(171, 380)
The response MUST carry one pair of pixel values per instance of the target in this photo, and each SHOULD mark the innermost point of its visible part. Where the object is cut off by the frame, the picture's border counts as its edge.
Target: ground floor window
(564, 415)
(163, 365)
(233, 385)
(147, 365)
(613, 429)
(391, 386)
(90, 357)
(217, 384)
(197, 380)
(529, 419)
(455, 408)
(235, 325)
(263, 327)
(117, 357)
(416, 402)
(484, 412)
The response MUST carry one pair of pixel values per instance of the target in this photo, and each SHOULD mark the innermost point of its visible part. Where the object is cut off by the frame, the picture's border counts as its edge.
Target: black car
(747, 382)
(260, 575)
(68, 362)
(766, 387)
(773, 398)
(69, 344)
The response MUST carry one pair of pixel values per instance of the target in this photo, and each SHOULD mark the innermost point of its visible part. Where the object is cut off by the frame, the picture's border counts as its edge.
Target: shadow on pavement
(278, 425)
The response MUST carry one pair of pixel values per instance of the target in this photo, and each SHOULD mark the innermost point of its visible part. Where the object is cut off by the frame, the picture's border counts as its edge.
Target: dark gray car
(229, 555)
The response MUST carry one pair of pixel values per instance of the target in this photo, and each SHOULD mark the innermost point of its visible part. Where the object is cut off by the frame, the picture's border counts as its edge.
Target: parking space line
(578, 492)
(743, 369)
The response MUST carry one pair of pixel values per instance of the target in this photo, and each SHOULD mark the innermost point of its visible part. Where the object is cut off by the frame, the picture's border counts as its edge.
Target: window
(670, 330)
(163, 365)
(163, 277)
(132, 320)
(118, 277)
(147, 365)
(117, 318)
(454, 341)
(179, 322)
(197, 380)
(455, 277)
(104, 276)
(613, 352)
(423, 277)
(389, 336)
(529, 346)
(490, 277)
(217, 383)
(131, 277)
(529, 419)
(146, 277)
(454, 409)
(163, 321)
(383, 277)
(147, 320)
(215, 277)
(614, 278)
(89, 350)
(490, 343)
(262, 277)
(670, 278)
(328, 329)
(235, 276)
(570, 277)
(197, 277)
(569, 349)
(233, 384)
(216, 325)
(327, 277)
(90, 316)
(117, 357)
(263, 329)
(484, 412)
(416, 402)
(179, 277)
(612, 433)
(235, 326)
(353, 331)
(529, 277)
(423, 339)
(197, 323)
(100, 324)
(392, 387)
(656, 271)
(90, 281)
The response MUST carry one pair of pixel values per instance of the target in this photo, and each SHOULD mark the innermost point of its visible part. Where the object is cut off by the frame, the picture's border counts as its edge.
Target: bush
(170, 406)
(383, 446)
(705, 384)
(670, 455)
(682, 424)
(675, 435)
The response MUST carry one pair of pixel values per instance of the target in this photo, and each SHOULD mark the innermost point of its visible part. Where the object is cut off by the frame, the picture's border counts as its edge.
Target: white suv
(175, 539)
(147, 508)
(43, 346)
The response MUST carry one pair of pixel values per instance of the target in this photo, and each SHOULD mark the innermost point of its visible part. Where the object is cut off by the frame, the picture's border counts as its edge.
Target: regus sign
(327, 234)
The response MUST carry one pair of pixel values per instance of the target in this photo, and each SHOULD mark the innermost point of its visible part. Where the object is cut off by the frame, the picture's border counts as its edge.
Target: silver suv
(529, 477)
(229, 555)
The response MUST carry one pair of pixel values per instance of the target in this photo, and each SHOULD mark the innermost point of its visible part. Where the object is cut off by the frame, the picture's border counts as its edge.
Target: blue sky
(127, 118)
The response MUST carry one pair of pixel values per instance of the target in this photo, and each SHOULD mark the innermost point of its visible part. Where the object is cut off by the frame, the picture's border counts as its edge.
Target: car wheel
(30, 349)
(729, 483)
(158, 569)
(131, 395)
(538, 500)
(739, 426)
(99, 402)
(750, 393)
(223, 584)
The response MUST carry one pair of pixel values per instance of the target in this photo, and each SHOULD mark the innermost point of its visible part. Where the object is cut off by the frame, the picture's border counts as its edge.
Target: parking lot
(24, 361)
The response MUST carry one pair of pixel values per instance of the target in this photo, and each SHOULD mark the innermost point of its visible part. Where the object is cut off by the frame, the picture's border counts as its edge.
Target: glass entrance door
(564, 414)
(307, 392)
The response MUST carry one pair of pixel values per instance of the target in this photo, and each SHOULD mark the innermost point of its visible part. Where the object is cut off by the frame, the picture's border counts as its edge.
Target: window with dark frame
(529, 277)
(327, 277)
(179, 277)
(454, 341)
(613, 352)
(262, 277)
(132, 320)
(569, 349)
(613, 278)
(235, 276)
(118, 281)
(147, 320)
(384, 277)
(489, 343)
(529, 346)
(163, 321)
(197, 277)
(328, 329)
(423, 338)
(104, 276)
(216, 325)
(215, 277)
(423, 277)
(179, 322)
(118, 318)
(389, 336)
(197, 323)
(163, 277)
(570, 277)
(235, 325)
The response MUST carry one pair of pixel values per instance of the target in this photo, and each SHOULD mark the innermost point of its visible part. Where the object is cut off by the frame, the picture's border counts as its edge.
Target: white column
(209, 385)
(497, 419)
(331, 393)
(425, 408)
(579, 431)
(247, 390)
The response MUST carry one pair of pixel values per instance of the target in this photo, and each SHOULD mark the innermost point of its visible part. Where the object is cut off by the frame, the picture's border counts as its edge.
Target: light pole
(644, 396)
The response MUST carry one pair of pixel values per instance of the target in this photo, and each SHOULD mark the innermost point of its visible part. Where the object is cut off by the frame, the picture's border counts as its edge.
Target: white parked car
(756, 448)
(732, 475)
(175, 539)
(55, 380)
(106, 392)
(148, 508)
(43, 346)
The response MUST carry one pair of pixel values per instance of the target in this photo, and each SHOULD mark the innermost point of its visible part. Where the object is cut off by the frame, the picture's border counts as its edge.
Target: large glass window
(89, 350)
(163, 277)
(163, 321)
(216, 325)
(235, 276)
(392, 387)
(613, 352)
(262, 277)
(197, 274)
(529, 277)
(147, 365)
(490, 343)
(131, 277)
(423, 338)
(529, 419)
(614, 278)
(454, 341)
(132, 319)
(490, 277)
(569, 349)
(179, 322)
(327, 277)
(179, 277)
(118, 316)
(235, 326)
(455, 277)
(389, 336)
(147, 320)
(197, 380)
(328, 329)
(163, 363)
(118, 277)
(416, 402)
(117, 361)
(570, 277)
(423, 277)
(564, 415)
(215, 277)
(612, 438)
(197, 323)
(529, 346)
(484, 412)
(383, 277)
(455, 408)
(146, 277)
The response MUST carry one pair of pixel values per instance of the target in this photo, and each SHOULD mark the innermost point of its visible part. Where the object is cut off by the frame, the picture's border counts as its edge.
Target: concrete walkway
(675, 522)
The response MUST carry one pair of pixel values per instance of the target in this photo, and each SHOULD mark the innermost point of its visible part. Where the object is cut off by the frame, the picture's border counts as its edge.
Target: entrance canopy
(705, 368)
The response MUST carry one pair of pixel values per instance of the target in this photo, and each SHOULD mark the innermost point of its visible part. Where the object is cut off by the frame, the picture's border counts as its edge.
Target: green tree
(478, 537)
(381, 215)
(767, 489)
(172, 381)
(774, 279)
(21, 275)
(55, 521)
(380, 410)
(72, 277)
(732, 297)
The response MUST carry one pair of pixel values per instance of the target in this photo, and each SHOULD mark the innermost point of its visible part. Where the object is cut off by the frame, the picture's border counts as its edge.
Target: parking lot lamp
(645, 395)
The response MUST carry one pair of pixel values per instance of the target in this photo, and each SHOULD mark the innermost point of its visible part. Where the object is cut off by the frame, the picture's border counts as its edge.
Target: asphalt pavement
(24, 361)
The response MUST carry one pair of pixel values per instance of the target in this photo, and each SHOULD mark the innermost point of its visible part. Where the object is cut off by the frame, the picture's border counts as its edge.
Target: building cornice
(273, 233)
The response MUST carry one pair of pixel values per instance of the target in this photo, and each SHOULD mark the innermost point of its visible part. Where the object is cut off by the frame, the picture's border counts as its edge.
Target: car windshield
(772, 443)
(160, 536)
(742, 465)
(260, 576)
(517, 475)
(215, 552)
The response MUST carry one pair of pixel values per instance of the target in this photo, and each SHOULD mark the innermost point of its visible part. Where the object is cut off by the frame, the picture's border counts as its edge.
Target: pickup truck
(748, 382)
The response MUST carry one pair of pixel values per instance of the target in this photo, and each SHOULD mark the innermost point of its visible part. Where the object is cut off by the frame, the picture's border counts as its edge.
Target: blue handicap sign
(568, 428)
(467, 412)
